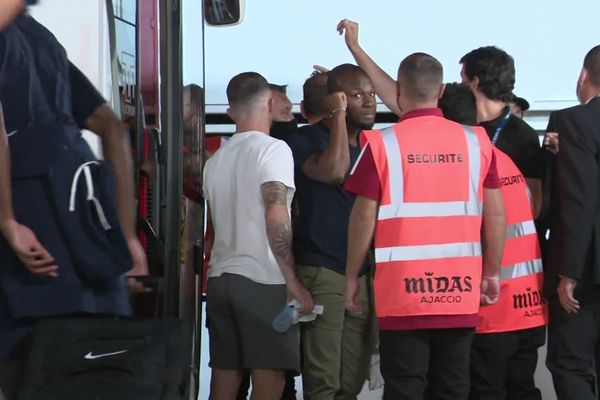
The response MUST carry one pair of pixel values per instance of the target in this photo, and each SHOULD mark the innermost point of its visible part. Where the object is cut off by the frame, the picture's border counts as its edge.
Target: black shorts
(239, 316)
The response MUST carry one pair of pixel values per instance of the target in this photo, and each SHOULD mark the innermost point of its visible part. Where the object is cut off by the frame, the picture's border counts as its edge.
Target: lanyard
(500, 127)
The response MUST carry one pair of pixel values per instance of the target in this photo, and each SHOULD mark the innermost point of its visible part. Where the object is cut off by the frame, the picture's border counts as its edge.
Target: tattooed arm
(279, 233)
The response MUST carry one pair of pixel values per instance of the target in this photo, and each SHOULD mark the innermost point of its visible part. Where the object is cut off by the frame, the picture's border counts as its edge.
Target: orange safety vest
(428, 232)
(521, 304)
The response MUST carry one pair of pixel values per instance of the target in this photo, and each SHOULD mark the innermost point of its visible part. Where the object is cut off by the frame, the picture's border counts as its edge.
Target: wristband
(336, 110)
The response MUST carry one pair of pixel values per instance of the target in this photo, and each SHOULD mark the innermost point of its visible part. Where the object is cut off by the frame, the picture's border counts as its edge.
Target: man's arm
(279, 233)
(115, 144)
(385, 85)
(331, 165)
(577, 196)
(361, 229)
(20, 238)
(494, 235)
(535, 188)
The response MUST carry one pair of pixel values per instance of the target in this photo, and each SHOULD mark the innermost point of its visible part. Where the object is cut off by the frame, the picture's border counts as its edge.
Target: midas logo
(528, 299)
(438, 284)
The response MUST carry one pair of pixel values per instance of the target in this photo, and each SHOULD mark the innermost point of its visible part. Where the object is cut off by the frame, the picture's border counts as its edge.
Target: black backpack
(105, 359)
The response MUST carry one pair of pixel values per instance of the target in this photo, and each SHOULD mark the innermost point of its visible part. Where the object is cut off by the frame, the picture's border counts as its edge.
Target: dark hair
(314, 91)
(458, 104)
(337, 77)
(495, 70)
(243, 88)
(278, 88)
(420, 76)
(591, 63)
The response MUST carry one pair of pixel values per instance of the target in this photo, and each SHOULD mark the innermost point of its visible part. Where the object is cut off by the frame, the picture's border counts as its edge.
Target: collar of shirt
(422, 112)
(592, 98)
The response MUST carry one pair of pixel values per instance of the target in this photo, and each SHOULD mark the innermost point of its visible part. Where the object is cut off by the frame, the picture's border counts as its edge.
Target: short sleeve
(301, 148)
(363, 179)
(492, 179)
(277, 164)
(85, 99)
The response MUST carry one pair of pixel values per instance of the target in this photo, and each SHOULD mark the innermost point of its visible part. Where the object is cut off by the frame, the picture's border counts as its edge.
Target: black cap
(521, 102)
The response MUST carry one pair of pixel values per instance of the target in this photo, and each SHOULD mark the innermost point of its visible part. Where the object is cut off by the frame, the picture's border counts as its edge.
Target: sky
(282, 39)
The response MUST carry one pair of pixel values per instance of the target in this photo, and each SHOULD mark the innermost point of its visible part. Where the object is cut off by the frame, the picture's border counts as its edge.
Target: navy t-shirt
(322, 211)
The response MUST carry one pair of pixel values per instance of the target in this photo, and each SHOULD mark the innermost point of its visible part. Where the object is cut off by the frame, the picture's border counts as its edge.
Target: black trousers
(431, 364)
(503, 365)
(572, 340)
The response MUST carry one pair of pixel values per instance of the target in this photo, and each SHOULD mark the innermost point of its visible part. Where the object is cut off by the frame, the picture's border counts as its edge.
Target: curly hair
(458, 104)
(495, 70)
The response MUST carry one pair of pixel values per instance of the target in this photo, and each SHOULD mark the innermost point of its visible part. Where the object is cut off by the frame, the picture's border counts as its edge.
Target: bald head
(247, 92)
(420, 77)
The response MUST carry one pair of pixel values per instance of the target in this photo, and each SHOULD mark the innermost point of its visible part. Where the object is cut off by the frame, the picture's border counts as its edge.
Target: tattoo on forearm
(274, 193)
(280, 239)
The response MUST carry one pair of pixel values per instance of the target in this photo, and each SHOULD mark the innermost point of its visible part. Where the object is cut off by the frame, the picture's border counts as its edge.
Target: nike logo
(11, 133)
(91, 356)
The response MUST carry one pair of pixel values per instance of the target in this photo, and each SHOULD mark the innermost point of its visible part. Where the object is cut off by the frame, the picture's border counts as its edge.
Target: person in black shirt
(490, 74)
(336, 347)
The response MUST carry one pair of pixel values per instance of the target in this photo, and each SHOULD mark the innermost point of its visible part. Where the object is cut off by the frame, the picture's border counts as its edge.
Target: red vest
(521, 304)
(427, 237)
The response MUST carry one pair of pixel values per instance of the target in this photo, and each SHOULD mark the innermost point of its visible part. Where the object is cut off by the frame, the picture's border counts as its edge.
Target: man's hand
(565, 290)
(321, 69)
(297, 291)
(551, 142)
(490, 290)
(352, 291)
(29, 250)
(350, 28)
(336, 101)
(139, 267)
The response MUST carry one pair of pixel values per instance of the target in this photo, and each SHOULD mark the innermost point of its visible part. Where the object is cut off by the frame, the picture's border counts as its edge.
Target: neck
(487, 109)
(253, 124)
(591, 93)
(353, 132)
(412, 106)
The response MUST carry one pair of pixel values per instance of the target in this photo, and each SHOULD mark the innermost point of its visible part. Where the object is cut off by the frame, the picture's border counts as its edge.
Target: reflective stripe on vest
(521, 304)
(420, 273)
(398, 208)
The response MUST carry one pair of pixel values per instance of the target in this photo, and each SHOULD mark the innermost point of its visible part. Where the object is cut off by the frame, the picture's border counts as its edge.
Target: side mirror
(224, 12)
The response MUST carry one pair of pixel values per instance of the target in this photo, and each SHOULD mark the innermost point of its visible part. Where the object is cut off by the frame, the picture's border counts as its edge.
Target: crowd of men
(423, 241)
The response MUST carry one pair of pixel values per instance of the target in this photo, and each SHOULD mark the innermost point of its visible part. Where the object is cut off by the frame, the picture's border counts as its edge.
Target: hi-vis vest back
(521, 304)
(427, 238)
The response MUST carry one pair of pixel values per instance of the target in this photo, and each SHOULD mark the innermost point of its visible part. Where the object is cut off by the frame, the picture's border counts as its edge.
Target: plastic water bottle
(284, 320)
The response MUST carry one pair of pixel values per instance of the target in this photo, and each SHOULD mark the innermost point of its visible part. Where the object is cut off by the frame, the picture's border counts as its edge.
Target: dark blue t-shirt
(322, 211)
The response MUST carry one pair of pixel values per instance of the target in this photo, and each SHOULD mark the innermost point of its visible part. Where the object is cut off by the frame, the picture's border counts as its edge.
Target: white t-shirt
(232, 185)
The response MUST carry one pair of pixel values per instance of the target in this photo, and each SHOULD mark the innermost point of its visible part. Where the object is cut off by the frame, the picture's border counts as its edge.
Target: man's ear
(475, 83)
(441, 92)
(271, 105)
(584, 75)
(230, 113)
(302, 110)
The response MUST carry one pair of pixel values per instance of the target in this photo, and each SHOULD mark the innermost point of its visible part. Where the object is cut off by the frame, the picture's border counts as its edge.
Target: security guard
(426, 218)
